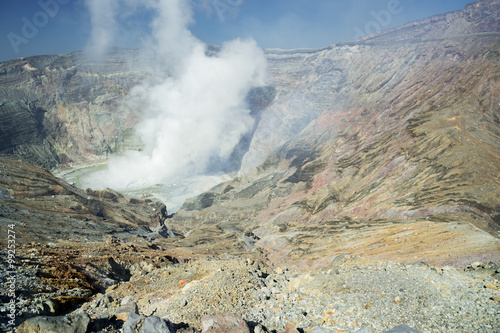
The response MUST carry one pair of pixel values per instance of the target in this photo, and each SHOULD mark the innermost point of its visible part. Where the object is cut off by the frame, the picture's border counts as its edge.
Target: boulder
(139, 324)
(157, 325)
(63, 324)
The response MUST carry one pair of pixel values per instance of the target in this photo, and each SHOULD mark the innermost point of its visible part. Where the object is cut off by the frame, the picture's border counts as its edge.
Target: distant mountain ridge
(477, 18)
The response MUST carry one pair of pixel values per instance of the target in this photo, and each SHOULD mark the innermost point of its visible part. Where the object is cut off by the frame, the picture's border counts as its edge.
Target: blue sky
(34, 27)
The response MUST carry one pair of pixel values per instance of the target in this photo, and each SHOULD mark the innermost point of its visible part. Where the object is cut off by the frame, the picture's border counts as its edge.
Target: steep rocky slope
(375, 136)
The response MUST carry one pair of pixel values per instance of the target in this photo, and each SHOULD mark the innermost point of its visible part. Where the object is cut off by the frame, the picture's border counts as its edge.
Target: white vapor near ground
(194, 104)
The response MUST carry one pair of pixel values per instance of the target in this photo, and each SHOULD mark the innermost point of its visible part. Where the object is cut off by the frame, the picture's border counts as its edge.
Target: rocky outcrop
(350, 294)
(22, 132)
(70, 324)
(49, 209)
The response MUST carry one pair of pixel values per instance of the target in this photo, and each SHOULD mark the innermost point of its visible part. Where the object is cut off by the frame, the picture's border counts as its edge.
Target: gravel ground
(350, 294)
(347, 295)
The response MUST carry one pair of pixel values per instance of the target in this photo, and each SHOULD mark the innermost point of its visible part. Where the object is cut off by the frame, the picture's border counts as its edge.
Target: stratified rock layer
(59, 109)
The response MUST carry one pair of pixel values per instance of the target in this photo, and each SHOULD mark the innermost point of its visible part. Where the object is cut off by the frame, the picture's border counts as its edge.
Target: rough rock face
(22, 132)
(75, 324)
(57, 109)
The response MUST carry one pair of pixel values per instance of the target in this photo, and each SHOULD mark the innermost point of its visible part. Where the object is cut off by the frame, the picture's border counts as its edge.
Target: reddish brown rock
(290, 328)
(227, 323)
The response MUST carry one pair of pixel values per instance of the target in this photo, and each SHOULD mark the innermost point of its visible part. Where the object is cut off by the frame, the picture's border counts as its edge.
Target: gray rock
(260, 329)
(64, 324)
(157, 325)
(134, 323)
(139, 324)
(129, 308)
(125, 300)
(266, 292)
(402, 329)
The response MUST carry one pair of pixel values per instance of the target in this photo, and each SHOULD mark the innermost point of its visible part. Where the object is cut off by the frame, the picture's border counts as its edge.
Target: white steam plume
(194, 105)
(103, 27)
